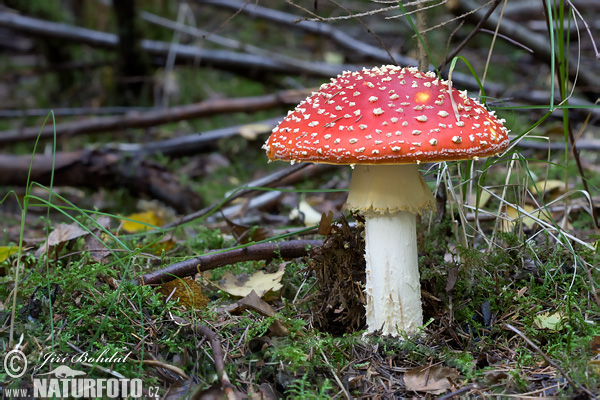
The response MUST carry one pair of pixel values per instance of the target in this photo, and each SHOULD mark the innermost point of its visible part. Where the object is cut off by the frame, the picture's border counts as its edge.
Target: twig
(538, 43)
(217, 353)
(189, 144)
(587, 27)
(470, 36)
(156, 117)
(42, 112)
(549, 361)
(267, 181)
(458, 392)
(341, 38)
(236, 61)
(354, 46)
(293, 64)
(262, 251)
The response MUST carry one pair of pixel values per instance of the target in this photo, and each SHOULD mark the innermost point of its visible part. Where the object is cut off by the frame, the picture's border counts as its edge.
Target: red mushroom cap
(387, 115)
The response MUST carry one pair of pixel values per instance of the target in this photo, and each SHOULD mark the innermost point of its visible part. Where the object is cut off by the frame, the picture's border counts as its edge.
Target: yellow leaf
(251, 131)
(7, 251)
(552, 187)
(142, 221)
(261, 282)
(306, 213)
(549, 321)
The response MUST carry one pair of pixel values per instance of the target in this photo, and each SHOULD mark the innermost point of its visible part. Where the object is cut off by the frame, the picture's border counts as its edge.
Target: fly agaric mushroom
(384, 121)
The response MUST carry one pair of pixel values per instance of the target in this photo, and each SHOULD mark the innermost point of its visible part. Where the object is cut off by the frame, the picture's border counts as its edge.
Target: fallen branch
(238, 62)
(262, 251)
(266, 181)
(354, 46)
(577, 387)
(217, 353)
(155, 117)
(538, 43)
(94, 169)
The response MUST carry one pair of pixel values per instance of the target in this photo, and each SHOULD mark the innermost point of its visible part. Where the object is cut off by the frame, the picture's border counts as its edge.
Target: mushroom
(384, 122)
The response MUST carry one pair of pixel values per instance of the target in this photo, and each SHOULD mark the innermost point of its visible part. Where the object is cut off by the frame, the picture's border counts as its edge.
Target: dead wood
(133, 61)
(189, 144)
(96, 168)
(219, 360)
(244, 63)
(267, 181)
(155, 117)
(536, 42)
(352, 45)
(261, 251)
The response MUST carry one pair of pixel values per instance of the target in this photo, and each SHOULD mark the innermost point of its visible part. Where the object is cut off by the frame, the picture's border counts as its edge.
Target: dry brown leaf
(186, 292)
(261, 282)
(325, 223)
(98, 251)
(245, 234)
(61, 235)
(595, 345)
(434, 380)
(255, 303)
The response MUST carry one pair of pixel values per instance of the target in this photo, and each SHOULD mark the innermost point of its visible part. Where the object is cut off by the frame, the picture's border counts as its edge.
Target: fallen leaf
(142, 221)
(304, 212)
(255, 303)
(550, 187)
(595, 345)
(514, 216)
(261, 282)
(61, 235)
(325, 223)
(7, 251)
(434, 380)
(98, 251)
(244, 234)
(186, 292)
(553, 321)
(251, 131)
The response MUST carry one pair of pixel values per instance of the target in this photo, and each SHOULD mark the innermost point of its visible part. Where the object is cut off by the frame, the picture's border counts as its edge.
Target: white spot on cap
(314, 123)
(443, 114)
(416, 132)
(362, 126)
(360, 150)
(421, 118)
(373, 99)
(457, 139)
(396, 148)
(432, 142)
(378, 111)
(352, 141)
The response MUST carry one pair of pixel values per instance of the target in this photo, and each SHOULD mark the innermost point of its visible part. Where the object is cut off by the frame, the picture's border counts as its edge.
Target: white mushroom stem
(390, 197)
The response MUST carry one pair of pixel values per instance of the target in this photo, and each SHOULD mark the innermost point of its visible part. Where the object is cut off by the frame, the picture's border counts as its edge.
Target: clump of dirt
(339, 266)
